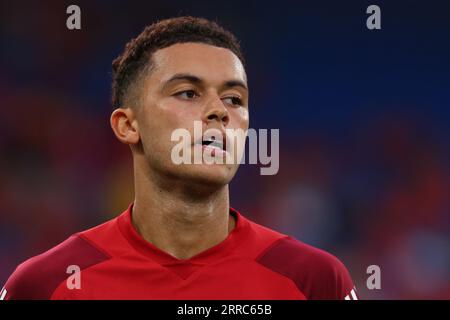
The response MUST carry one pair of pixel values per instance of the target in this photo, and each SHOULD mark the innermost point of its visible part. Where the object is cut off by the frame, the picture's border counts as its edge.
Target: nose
(216, 111)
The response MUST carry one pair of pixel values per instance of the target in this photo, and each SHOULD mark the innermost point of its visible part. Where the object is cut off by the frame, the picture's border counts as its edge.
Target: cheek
(162, 119)
(166, 115)
(176, 114)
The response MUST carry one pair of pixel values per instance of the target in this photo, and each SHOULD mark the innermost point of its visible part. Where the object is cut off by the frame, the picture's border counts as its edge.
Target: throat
(182, 236)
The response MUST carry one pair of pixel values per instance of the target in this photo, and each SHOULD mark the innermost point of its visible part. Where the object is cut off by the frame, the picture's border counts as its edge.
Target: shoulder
(39, 276)
(316, 273)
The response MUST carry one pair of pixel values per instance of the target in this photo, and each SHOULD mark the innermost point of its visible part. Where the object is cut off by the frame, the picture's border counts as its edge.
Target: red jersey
(112, 261)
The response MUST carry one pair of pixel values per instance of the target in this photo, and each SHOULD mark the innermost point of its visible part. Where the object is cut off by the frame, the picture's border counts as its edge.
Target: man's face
(192, 82)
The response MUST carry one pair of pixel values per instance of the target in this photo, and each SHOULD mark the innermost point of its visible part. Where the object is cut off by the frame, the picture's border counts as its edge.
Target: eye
(186, 94)
(236, 101)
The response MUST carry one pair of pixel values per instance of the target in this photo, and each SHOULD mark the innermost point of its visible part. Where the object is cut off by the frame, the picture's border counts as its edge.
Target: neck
(179, 220)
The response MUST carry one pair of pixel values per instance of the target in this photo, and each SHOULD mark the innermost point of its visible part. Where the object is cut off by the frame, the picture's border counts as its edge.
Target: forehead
(206, 61)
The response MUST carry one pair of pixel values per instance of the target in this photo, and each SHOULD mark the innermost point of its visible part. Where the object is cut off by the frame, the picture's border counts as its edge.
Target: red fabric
(253, 262)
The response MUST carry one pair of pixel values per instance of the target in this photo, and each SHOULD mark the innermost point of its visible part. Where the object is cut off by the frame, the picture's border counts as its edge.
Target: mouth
(219, 144)
(213, 145)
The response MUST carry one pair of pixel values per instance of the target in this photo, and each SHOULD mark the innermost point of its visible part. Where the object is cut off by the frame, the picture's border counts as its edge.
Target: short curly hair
(136, 58)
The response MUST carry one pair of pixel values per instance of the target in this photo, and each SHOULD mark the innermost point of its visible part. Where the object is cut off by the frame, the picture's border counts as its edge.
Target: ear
(125, 126)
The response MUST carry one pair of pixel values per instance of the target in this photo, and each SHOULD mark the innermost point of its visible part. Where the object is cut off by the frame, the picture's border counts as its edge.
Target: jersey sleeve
(317, 274)
(330, 280)
(24, 284)
(38, 277)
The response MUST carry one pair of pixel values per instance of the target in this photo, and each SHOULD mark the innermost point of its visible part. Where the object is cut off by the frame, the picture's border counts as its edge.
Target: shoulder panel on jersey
(38, 277)
(317, 274)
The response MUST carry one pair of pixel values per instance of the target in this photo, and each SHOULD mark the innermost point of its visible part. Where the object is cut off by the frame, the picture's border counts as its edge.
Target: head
(176, 72)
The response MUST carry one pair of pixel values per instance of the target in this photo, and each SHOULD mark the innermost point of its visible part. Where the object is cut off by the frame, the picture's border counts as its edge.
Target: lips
(219, 144)
(216, 142)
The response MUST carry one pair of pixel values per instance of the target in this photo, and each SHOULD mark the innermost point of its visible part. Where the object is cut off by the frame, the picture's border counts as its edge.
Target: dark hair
(137, 54)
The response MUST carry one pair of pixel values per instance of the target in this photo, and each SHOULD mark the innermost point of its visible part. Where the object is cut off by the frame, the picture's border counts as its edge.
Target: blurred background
(364, 119)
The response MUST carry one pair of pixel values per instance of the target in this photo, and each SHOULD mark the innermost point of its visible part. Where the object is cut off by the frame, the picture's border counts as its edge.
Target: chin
(205, 174)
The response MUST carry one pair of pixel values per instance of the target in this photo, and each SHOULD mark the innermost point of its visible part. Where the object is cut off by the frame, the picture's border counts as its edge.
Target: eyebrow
(196, 80)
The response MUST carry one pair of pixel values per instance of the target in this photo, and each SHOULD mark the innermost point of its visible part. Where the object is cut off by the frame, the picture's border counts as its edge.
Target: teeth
(217, 144)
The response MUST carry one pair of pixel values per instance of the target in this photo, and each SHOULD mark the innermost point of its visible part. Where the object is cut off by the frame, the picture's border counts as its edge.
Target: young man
(179, 238)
